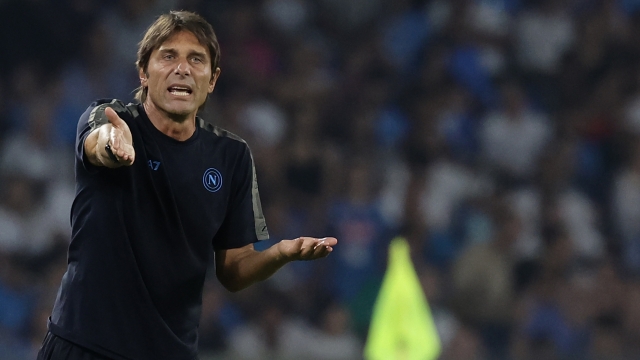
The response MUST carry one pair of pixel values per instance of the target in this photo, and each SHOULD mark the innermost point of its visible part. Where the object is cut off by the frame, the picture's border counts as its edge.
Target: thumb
(113, 117)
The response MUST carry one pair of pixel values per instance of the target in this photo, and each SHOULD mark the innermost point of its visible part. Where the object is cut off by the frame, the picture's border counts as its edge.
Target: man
(156, 188)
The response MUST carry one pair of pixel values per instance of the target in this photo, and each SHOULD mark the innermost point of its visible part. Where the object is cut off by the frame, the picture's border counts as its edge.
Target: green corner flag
(401, 325)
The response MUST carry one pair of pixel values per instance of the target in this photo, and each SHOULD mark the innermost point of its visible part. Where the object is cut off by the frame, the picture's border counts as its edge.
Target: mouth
(179, 90)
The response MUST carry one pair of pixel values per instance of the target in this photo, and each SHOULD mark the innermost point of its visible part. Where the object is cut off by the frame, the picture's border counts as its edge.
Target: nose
(183, 69)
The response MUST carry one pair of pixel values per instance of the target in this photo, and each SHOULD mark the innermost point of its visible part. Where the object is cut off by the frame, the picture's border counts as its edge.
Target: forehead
(183, 40)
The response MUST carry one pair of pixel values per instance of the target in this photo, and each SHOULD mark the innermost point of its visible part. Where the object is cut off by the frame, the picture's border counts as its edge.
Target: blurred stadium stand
(499, 136)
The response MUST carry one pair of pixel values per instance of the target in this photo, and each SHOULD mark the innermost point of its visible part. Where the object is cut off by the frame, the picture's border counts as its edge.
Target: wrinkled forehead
(184, 40)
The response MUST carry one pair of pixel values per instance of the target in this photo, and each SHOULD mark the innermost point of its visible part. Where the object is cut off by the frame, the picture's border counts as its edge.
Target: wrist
(280, 252)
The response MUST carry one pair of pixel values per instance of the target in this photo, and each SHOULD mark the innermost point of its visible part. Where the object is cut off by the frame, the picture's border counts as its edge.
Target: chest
(184, 187)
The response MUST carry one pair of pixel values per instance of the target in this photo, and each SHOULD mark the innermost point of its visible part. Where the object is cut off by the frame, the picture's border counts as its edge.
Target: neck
(176, 126)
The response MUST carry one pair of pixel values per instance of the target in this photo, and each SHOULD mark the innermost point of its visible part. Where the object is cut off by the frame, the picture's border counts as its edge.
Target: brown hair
(167, 25)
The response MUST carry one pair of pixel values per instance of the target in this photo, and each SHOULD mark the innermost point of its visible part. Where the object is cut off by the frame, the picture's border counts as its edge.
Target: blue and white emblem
(212, 180)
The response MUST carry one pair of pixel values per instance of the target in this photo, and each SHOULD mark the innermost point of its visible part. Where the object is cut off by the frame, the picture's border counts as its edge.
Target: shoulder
(221, 133)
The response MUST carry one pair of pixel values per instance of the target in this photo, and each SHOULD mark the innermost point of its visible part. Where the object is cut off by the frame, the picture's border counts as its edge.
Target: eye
(168, 56)
(196, 59)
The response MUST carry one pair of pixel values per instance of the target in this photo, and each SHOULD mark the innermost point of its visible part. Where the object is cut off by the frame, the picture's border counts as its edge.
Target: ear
(143, 77)
(214, 78)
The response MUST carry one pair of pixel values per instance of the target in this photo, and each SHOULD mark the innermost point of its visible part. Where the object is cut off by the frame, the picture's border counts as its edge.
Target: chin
(181, 111)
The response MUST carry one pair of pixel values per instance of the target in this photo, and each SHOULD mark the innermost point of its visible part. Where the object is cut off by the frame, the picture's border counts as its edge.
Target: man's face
(179, 76)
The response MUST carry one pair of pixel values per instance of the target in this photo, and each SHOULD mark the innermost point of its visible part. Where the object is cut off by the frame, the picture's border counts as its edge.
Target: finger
(132, 157)
(127, 159)
(320, 242)
(129, 153)
(114, 136)
(330, 241)
(326, 251)
(116, 147)
(124, 152)
(322, 251)
(113, 117)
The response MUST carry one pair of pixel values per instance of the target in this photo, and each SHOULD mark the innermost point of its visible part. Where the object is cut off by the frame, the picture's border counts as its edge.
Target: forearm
(237, 269)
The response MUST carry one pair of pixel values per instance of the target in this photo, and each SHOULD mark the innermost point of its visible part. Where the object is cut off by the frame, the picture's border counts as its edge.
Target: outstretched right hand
(118, 137)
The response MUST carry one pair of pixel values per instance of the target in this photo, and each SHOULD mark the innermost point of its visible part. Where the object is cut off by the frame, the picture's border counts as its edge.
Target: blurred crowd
(500, 137)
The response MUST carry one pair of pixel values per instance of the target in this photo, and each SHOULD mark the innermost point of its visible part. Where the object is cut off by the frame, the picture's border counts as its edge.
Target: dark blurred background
(499, 136)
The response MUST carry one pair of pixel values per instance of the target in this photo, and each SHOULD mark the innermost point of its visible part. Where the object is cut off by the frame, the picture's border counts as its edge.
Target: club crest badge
(212, 180)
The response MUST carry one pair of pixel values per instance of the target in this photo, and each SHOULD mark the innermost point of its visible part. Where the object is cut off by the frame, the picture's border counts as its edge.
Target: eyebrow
(167, 50)
(191, 53)
(198, 53)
